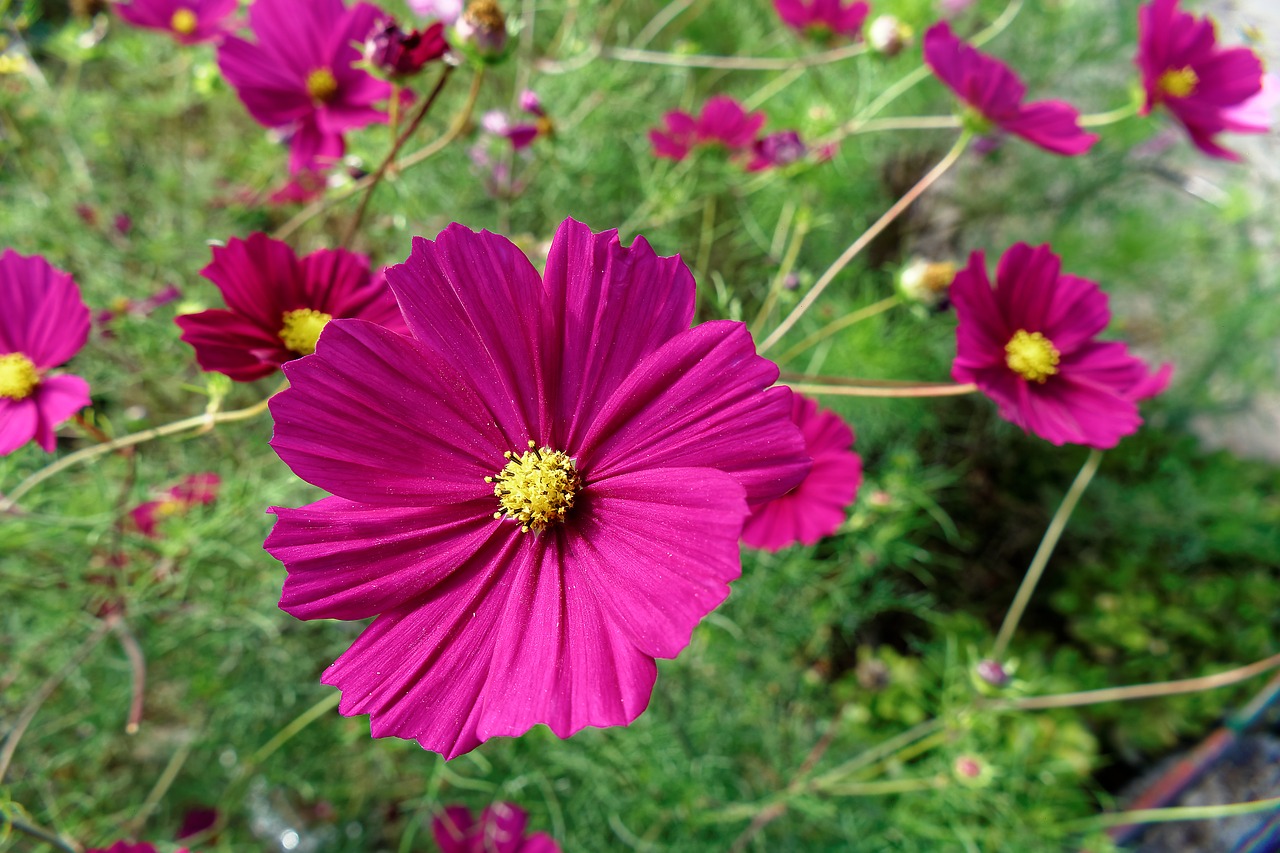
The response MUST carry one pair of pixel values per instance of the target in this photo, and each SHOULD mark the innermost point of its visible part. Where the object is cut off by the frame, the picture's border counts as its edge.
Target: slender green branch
(856, 247)
(205, 422)
(1129, 110)
(731, 63)
(1143, 691)
(923, 389)
(1044, 552)
(40, 833)
(840, 324)
(784, 270)
(1172, 814)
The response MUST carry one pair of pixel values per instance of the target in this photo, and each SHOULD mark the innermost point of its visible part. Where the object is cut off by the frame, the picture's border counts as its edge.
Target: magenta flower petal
(277, 304)
(1199, 82)
(723, 121)
(690, 402)
(300, 74)
(425, 437)
(599, 287)
(533, 526)
(464, 314)
(19, 422)
(989, 86)
(43, 323)
(817, 507)
(500, 829)
(453, 829)
(823, 15)
(1029, 345)
(57, 399)
(353, 561)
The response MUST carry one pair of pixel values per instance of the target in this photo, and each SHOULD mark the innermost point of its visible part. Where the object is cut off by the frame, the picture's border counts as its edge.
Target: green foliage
(849, 643)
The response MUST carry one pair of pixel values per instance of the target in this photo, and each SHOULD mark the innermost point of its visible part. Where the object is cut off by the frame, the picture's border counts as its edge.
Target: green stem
(1044, 552)
(205, 421)
(784, 270)
(856, 247)
(838, 325)
(1172, 814)
(1129, 110)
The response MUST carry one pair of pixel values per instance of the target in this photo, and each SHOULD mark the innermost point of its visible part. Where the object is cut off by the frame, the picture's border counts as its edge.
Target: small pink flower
(399, 54)
(1185, 69)
(188, 21)
(777, 150)
(43, 323)
(722, 121)
(823, 17)
(278, 304)
(817, 507)
(1030, 344)
(537, 492)
(500, 829)
(301, 74)
(988, 86)
(194, 490)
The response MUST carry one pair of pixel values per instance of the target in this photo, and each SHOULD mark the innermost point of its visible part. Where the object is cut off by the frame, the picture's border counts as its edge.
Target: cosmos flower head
(398, 54)
(817, 507)
(188, 21)
(823, 18)
(722, 122)
(536, 493)
(502, 827)
(43, 324)
(1030, 344)
(300, 74)
(194, 490)
(277, 303)
(776, 150)
(1199, 81)
(995, 94)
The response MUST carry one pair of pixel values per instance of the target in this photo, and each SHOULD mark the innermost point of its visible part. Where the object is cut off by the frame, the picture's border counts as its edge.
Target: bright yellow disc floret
(536, 488)
(1032, 356)
(18, 376)
(302, 328)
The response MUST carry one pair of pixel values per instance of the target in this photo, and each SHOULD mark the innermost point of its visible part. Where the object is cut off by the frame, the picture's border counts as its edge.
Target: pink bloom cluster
(725, 124)
(991, 89)
(823, 17)
(43, 323)
(194, 490)
(500, 829)
(277, 303)
(536, 493)
(1210, 89)
(188, 21)
(300, 74)
(1030, 344)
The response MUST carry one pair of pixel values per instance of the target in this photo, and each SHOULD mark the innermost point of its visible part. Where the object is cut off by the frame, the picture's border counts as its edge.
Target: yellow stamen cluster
(1178, 82)
(536, 488)
(184, 21)
(322, 85)
(302, 328)
(1032, 356)
(18, 377)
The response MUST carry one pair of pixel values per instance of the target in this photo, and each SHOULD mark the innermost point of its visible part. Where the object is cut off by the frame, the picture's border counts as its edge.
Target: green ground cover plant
(837, 699)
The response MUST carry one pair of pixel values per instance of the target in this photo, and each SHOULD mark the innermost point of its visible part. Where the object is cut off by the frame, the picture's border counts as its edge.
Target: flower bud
(992, 672)
(482, 30)
(926, 282)
(777, 149)
(888, 36)
(398, 54)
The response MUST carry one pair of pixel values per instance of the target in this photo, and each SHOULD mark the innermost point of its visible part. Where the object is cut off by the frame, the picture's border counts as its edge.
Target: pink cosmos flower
(815, 508)
(194, 490)
(188, 21)
(988, 86)
(777, 150)
(301, 74)
(501, 829)
(537, 492)
(1029, 344)
(278, 303)
(1184, 69)
(43, 323)
(823, 17)
(722, 121)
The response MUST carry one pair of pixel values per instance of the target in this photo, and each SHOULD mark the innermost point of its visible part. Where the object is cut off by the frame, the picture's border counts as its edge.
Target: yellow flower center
(536, 488)
(321, 84)
(1178, 82)
(302, 328)
(184, 21)
(18, 377)
(1032, 356)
